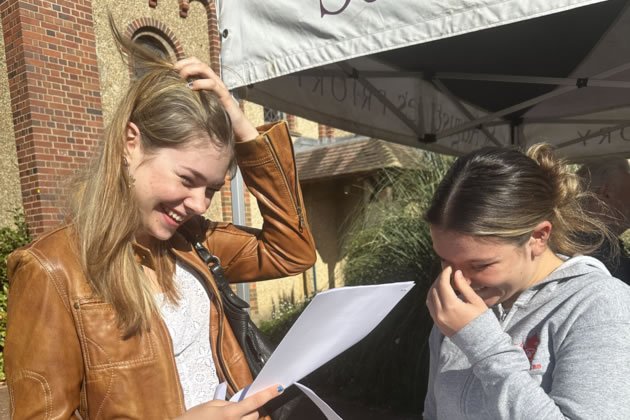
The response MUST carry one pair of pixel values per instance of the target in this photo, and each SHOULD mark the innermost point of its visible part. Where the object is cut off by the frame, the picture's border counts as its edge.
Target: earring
(132, 180)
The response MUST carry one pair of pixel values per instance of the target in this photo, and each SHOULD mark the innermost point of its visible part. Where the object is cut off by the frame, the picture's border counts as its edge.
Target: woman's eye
(186, 180)
(481, 267)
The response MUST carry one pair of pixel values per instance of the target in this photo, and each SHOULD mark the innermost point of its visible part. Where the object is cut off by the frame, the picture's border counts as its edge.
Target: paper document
(220, 391)
(323, 407)
(333, 321)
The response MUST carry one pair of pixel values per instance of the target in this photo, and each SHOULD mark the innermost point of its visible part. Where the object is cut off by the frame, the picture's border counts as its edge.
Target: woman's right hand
(449, 312)
(208, 80)
(226, 410)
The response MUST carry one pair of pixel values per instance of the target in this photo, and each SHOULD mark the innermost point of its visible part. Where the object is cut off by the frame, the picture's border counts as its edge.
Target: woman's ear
(132, 139)
(540, 237)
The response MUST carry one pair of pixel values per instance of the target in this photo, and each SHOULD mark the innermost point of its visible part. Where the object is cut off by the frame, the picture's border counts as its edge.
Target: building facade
(61, 77)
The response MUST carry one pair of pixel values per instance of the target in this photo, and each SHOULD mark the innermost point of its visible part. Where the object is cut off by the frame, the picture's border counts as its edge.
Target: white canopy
(448, 76)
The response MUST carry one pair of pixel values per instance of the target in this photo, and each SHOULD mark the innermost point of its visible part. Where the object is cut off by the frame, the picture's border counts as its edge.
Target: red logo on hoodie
(530, 347)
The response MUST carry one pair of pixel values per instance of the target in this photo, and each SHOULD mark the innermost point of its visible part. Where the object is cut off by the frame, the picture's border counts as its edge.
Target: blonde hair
(105, 213)
(505, 194)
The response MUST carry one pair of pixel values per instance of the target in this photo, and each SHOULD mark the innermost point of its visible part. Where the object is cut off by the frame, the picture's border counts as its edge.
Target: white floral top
(189, 326)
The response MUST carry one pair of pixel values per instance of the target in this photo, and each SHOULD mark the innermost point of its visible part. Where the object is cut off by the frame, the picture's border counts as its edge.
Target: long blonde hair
(104, 208)
(505, 194)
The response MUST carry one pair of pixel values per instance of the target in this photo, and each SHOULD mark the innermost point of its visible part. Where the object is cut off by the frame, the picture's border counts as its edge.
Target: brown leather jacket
(64, 355)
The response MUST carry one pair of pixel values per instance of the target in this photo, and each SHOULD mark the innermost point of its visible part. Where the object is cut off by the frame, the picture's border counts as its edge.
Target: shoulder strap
(214, 265)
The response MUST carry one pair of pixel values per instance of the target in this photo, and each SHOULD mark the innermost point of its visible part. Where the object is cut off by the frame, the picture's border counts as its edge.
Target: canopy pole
(352, 72)
(508, 110)
(237, 189)
(594, 81)
(615, 70)
(464, 110)
(574, 121)
(594, 134)
(558, 81)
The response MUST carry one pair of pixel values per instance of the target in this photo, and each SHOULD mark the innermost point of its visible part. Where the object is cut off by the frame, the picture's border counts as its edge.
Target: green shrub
(11, 237)
(282, 319)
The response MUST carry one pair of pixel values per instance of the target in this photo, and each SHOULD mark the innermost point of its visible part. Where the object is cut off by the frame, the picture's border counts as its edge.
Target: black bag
(253, 342)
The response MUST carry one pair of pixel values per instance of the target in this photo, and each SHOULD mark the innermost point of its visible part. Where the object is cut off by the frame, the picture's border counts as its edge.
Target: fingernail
(280, 389)
(190, 84)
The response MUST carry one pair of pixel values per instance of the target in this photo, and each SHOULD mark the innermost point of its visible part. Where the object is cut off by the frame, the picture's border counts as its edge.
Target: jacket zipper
(295, 200)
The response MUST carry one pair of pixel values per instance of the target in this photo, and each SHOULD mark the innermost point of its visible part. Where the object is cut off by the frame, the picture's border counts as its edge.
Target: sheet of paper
(325, 408)
(333, 321)
(321, 404)
(220, 391)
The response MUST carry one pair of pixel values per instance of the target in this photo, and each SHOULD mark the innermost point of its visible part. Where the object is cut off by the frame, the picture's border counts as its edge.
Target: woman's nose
(197, 202)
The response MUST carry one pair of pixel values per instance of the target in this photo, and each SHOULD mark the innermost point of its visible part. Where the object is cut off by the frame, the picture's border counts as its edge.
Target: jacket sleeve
(42, 354)
(590, 378)
(284, 246)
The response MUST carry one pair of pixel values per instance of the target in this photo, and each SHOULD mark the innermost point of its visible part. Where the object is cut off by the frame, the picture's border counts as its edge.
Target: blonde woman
(113, 315)
(525, 327)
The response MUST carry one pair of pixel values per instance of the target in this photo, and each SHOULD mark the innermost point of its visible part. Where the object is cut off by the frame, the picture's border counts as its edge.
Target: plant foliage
(282, 319)
(11, 238)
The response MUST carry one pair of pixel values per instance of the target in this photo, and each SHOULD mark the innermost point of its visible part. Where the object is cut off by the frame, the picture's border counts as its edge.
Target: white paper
(319, 403)
(325, 408)
(220, 391)
(333, 321)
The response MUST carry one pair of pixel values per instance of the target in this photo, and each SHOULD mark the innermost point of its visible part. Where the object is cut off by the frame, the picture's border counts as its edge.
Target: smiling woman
(123, 319)
(173, 184)
(516, 307)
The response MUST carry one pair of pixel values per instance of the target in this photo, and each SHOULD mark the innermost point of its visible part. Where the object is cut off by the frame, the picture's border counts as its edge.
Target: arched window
(155, 43)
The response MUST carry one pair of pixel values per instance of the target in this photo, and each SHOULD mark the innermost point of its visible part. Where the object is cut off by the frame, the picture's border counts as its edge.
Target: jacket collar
(143, 255)
(180, 247)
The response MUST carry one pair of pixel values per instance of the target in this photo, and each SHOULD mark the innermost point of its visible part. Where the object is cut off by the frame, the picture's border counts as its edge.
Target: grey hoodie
(561, 352)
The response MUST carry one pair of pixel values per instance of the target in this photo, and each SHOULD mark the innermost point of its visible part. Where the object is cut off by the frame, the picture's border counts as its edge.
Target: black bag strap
(214, 265)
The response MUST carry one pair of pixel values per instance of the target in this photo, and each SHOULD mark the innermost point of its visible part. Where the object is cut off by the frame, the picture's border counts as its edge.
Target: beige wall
(191, 32)
(10, 193)
(270, 293)
(306, 128)
(328, 209)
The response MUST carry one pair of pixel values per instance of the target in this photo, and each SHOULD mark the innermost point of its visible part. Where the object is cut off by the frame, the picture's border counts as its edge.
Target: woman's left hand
(449, 312)
(208, 80)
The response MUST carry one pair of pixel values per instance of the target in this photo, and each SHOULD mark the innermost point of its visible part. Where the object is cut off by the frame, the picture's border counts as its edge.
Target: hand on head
(449, 312)
(226, 410)
(208, 80)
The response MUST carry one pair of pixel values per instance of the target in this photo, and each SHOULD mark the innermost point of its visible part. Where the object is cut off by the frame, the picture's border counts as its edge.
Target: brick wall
(55, 98)
(321, 131)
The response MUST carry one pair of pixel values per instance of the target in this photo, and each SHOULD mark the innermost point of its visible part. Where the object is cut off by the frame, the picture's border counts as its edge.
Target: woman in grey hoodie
(526, 327)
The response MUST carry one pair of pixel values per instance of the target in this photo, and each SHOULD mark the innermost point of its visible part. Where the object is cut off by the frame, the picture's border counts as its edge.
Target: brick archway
(159, 28)
(214, 38)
